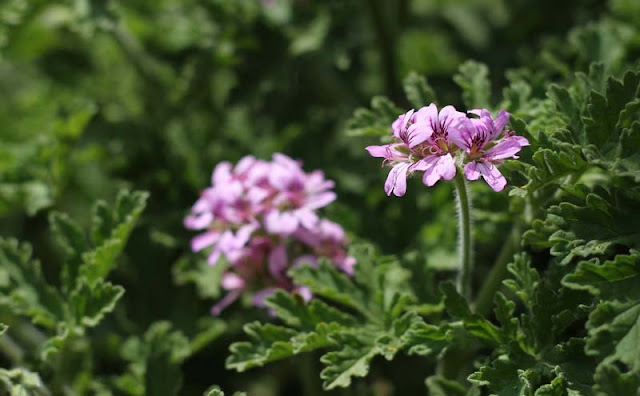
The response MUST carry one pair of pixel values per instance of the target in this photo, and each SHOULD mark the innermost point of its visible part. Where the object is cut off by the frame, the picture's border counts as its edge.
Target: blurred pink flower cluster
(440, 143)
(261, 216)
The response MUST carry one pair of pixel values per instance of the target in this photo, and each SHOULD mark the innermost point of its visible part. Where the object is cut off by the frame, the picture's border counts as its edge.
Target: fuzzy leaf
(473, 78)
(418, 91)
(117, 224)
(23, 287)
(90, 304)
(375, 121)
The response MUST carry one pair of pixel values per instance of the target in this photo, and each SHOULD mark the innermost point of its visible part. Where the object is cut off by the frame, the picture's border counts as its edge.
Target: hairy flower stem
(465, 245)
(456, 358)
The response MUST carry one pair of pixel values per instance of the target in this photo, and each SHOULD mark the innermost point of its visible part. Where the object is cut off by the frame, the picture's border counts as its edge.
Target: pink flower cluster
(439, 143)
(261, 216)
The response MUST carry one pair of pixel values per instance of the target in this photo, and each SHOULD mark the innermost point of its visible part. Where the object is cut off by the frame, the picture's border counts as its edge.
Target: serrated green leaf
(326, 281)
(611, 381)
(268, 343)
(604, 110)
(525, 279)
(375, 121)
(24, 289)
(71, 238)
(295, 312)
(21, 382)
(458, 307)
(425, 339)
(473, 78)
(155, 361)
(352, 360)
(613, 333)
(617, 278)
(90, 303)
(120, 221)
(418, 91)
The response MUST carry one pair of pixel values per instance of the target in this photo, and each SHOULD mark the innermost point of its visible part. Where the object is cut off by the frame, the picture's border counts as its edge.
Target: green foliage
(154, 361)
(368, 316)
(101, 96)
(20, 382)
(473, 78)
(84, 296)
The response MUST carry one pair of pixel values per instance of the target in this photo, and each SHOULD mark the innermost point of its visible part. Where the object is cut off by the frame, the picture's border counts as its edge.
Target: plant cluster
(526, 285)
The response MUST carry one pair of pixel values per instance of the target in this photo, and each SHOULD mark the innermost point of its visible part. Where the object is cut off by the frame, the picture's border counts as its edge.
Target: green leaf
(195, 269)
(268, 343)
(425, 339)
(525, 279)
(475, 324)
(613, 333)
(440, 386)
(595, 227)
(71, 238)
(352, 360)
(326, 281)
(611, 381)
(21, 382)
(473, 78)
(3, 328)
(295, 312)
(375, 121)
(503, 377)
(111, 231)
(91, 303)
(155, 359)
(601, 125)
(23, 287)
(617, 278)
(418, 91)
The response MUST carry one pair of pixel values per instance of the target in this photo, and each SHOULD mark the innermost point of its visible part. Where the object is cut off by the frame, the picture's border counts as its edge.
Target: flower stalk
(465, 243)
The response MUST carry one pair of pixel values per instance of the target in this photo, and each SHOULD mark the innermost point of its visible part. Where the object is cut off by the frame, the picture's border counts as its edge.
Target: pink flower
(398, 157)
(436, 130)
(479, 138)
(423, 144)
(262, 218)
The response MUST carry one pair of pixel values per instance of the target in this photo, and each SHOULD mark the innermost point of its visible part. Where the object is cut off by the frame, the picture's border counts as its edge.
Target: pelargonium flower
(480, 139)
(422, 144)
(436, 129)
(261, 217)
(438, 143)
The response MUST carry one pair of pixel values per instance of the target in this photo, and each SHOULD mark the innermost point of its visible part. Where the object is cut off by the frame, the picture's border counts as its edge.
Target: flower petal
(471, 171)
(397, 180)
(506, 148)
(500, 121)
(492, 176)
(449, 116)
(204, 240)
(277, 263)
(418, 133)
(231, 281)
(227, 300)
(439, 167)
(378, 151)
(462, 132)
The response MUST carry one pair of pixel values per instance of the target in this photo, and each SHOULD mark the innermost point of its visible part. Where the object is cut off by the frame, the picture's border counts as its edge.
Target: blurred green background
(97, 95)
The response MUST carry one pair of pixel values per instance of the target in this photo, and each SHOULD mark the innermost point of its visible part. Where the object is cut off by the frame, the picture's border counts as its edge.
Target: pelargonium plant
(262, 217)
(448, 145)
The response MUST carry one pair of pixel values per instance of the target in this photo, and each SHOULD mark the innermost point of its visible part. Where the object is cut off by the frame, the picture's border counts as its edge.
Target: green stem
(465, 244)
(484, 300)
(11, 349)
